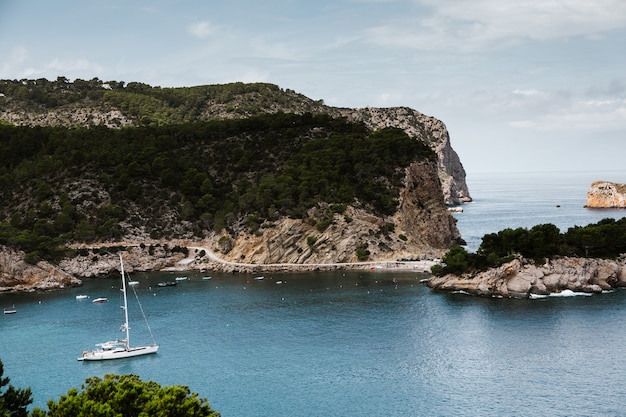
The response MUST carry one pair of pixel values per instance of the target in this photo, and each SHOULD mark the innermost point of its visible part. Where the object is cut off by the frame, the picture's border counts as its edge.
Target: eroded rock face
(521, 278)
(425, 128)
(17, 275)
(422, 227)
(606, 194)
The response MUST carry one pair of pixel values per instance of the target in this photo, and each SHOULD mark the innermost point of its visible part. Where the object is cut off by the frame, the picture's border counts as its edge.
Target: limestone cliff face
(422, 227)
(605, 194)
(425, 128)
(523, 279)
(17, 275)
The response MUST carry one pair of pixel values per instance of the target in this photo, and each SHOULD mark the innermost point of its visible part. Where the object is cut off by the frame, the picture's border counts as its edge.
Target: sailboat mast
(125, 307)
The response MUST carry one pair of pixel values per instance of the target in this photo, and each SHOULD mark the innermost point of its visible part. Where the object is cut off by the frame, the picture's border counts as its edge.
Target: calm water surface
(349, 343)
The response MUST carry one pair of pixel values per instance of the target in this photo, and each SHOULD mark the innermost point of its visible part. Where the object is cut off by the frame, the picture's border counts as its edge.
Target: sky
(534, 85)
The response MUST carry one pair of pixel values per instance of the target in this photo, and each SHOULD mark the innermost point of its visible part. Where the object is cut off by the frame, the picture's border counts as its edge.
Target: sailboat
(120, 348)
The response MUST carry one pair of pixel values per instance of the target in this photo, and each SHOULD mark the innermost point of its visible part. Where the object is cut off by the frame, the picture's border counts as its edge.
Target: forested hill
(91, 161)
(115, 104)
(175, 180)
(85, 103)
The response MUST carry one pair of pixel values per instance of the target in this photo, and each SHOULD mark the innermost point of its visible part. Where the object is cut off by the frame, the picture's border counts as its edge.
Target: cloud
(17, 57)
(554, 114)
(469, 26)
(201, 29)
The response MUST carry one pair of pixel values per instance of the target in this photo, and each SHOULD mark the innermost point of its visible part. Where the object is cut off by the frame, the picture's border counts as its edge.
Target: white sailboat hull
(118, 353)
(121, 348)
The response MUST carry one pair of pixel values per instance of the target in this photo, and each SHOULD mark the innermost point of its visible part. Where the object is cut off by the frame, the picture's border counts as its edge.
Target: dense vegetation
(115, 395)
(148, 105)
(605, 239)
(79, 184)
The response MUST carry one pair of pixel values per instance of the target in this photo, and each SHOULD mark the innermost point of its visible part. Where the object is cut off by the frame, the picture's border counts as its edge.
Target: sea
(350, 343)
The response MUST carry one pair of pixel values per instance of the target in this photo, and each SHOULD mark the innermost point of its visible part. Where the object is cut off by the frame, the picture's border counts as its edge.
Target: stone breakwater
(606, 194)
(522, 278)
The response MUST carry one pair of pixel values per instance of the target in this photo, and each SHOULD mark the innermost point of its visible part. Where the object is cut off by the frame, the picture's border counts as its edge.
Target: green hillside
(61, 184)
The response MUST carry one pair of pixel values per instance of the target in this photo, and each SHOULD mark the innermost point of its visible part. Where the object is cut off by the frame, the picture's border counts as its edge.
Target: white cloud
(530, 92)
(470, 26)
(17, 57)
(201, 29)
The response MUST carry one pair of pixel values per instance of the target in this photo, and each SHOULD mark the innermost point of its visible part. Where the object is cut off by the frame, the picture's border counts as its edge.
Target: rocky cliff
(422, 227)
(428, 129)
(605, 194)
(522, 278)
(17, 275)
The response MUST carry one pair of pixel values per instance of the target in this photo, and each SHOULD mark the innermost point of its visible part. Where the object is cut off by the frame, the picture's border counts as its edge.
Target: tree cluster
(148, 105)
(113, 395)
(74, 184)
(605, 239)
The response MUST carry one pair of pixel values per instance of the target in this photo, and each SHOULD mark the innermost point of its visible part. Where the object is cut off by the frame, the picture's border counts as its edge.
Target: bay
(350, 343)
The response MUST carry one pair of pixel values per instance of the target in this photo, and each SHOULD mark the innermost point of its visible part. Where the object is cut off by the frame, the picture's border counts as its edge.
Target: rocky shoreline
(102, 260)
(522, 278)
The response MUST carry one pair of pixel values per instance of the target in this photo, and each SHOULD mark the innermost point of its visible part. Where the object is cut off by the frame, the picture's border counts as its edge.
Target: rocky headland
(522, 278)
(606, 194)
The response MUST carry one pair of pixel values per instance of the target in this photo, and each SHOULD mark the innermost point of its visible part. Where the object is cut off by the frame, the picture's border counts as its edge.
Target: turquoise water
(349, 343)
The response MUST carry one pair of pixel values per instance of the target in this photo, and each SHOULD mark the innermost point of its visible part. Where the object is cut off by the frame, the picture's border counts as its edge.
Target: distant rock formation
(521, 278)
(606, 194)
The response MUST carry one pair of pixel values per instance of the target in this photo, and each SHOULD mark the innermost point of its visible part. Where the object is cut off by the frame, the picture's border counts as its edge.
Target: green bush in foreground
(129, 396)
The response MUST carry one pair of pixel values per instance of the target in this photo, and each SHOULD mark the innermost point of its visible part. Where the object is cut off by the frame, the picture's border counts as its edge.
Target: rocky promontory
(606, 194)
(522, 278)
(16, 275)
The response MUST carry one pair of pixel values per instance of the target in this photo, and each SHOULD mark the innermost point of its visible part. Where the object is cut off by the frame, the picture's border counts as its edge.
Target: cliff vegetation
(99, 184)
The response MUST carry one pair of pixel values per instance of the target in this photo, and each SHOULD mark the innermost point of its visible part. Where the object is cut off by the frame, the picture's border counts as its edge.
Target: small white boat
(133, 282)
(11, 310)
(100, 300)
(81, 297)
(206, 278)
(259, 278)
(181, 278)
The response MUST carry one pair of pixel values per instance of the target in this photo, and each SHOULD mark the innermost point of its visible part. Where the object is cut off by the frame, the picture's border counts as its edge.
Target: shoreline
(93, 261)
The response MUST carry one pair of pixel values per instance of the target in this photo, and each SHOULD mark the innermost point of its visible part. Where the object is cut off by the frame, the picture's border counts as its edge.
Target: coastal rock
(606, 194)
(16, 275)
(429, 130)
(522, 278)
(422, 227)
